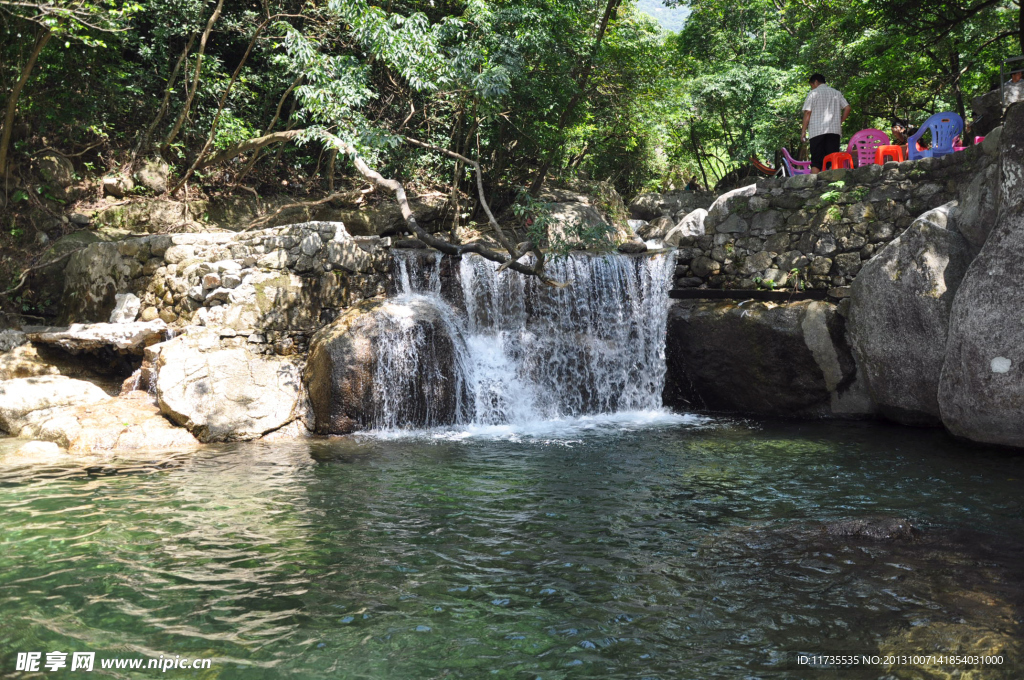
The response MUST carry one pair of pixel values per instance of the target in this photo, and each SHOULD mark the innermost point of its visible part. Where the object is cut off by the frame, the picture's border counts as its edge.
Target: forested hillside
(277, 96)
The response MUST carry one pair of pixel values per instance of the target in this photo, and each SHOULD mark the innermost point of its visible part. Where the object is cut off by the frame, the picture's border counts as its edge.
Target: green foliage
(835, 193)
(492, 79)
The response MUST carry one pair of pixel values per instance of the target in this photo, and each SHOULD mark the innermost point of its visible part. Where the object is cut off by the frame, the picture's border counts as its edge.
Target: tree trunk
(954, 63)
(12, 101)
(250, 145)
(144, 142)
(700, 163)
(581, 87)
(195, 78)
(266, 131)
(220, 108)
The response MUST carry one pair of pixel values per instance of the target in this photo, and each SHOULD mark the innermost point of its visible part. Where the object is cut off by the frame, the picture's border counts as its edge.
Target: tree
(78, 20)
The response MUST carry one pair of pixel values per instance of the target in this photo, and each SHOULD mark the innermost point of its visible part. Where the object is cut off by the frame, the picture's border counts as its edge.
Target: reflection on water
(675, 549)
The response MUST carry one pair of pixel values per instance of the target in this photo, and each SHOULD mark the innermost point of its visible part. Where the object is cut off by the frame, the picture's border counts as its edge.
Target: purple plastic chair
(793, 166)
(944, 126)
(863, 144)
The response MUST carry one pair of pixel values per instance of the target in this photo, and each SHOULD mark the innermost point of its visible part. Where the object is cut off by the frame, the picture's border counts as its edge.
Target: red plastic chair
(839, 159)
(863, 144)
(892, 152)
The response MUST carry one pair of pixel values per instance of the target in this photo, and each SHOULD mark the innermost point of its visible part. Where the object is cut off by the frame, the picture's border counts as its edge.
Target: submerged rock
(899, 316)
(385, 364)
(226, 393)
(874, 528)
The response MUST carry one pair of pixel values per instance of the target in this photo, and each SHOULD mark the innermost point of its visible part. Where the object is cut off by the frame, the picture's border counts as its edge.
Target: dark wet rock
(410, 244)
(633, 246)
(345, 390)
(754, 357)
(874, 528)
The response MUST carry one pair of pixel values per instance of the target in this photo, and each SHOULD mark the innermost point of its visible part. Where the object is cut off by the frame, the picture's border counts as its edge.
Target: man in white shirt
(825, 111)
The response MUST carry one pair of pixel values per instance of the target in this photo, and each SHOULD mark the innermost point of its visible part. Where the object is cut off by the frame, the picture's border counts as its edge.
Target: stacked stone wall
(274, 287)
(820, 228)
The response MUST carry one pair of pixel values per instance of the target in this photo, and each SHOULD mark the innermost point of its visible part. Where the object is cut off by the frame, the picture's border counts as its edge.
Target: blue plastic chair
(945, 127)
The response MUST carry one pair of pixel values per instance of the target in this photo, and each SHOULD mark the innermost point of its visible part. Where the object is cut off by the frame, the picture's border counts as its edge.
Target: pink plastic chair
(863, 144)
(793, 166)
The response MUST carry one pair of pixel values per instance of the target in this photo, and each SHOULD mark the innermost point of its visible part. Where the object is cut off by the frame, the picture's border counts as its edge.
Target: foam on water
(536, 360)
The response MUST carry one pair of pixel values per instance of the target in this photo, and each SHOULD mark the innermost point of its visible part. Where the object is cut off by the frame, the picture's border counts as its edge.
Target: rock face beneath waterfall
(783, 360)
(385, 364)
(221, 391)
(899, 316)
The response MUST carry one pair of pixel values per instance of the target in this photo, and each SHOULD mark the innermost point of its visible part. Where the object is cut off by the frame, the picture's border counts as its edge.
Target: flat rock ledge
(124, 338)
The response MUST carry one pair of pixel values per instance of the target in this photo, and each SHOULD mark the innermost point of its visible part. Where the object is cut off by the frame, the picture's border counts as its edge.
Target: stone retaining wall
(274, 286)
(824, 226)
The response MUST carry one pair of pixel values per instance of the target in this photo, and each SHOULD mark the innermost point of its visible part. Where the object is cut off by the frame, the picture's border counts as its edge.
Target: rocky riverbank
(925, 334)
(169, 340)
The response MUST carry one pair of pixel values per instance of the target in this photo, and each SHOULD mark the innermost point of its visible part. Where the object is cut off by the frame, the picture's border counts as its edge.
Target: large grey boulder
(981, 390)
(725, 206)
(386, 364)
(753, 357)
(688, 228)
(651, 206)
(978, 206)
(24, 402)
(93, 278)
(226, 393)
(153, 175)
(899, 316)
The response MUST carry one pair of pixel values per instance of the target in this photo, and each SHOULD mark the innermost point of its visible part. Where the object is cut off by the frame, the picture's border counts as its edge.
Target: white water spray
(527, 352)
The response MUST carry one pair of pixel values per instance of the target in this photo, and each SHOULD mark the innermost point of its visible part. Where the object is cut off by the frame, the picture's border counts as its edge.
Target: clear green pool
(629, 549)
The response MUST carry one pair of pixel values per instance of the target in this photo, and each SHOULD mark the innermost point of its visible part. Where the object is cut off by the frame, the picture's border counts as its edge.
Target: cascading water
(528, 352)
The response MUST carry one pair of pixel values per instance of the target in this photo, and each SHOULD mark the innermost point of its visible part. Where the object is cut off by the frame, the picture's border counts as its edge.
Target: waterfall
(527, 351)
